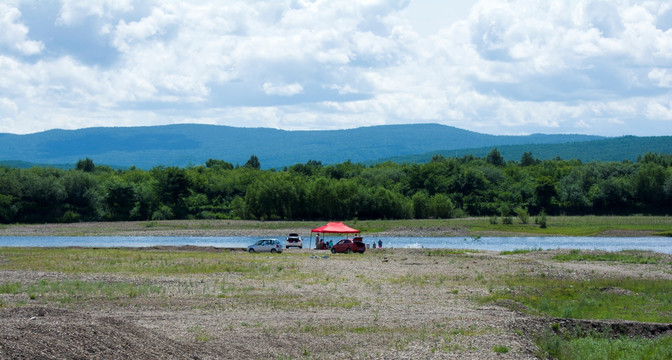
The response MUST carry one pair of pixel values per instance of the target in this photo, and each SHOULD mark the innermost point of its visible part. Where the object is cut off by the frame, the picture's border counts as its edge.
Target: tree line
(441, 188)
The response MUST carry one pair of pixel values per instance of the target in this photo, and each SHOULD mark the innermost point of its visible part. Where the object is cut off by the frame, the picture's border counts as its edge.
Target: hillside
(612, 149)
(192, 144)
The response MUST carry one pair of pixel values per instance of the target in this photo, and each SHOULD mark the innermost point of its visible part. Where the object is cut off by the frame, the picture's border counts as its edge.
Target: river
(657, 244)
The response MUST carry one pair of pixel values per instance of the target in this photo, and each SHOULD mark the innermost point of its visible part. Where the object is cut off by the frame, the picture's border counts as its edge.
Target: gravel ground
(404, 305)
(388, 321)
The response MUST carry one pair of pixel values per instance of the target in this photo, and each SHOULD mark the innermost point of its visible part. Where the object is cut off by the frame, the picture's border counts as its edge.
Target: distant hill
(26, 165)
(612, 149)
(192, 144)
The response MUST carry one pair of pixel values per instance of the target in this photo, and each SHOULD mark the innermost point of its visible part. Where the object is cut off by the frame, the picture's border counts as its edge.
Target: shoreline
(471, 227)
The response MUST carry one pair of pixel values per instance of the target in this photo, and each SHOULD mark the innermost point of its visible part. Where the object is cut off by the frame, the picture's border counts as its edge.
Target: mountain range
(193, 144)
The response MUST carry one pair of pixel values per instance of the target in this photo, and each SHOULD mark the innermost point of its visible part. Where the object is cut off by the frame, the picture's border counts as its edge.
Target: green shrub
(523, 215)
(70, 217)
(542, 219)
(163, 213)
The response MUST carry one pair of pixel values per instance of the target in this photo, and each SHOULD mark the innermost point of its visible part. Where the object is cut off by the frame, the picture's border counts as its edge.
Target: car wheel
(273, 250)
(333, 251)
(347, 251)
(300, 247)
(251, 250)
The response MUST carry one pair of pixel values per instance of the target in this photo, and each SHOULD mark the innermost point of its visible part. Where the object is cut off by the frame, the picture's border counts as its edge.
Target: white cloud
(73, 11)
(282, 90)
(660, 110)
(8, 106)
(127, 33)
(515, 66)
(14, 34)
(661, 77)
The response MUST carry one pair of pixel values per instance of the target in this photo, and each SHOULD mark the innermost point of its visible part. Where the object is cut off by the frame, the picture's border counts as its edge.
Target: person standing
(380, 244)
(317, 241)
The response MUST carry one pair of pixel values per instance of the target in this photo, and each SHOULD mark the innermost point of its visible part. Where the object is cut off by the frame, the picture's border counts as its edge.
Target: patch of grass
(156, 263)
(11, 288)
(500, 349)
(446, 252)
(625, 256)
(200, 335)
(596, 346)
(75, 290)
(293, 301)
(519, 251)
(403, 336)
(647, 300)
(572, 225)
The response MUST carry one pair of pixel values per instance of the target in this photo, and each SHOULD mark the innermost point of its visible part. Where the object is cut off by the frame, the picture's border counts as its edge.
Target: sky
(601, 67)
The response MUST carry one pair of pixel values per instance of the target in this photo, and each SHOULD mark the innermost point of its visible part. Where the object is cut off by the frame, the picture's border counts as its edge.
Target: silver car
(266, 245)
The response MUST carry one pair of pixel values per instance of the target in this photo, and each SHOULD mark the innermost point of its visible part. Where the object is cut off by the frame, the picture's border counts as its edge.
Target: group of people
(321, 245)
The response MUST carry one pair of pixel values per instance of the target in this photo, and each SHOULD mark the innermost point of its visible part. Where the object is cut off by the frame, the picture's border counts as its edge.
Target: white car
(266, 245)
(294, 240)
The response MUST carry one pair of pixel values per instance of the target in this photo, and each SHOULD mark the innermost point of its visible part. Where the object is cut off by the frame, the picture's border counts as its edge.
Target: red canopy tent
(334, 228)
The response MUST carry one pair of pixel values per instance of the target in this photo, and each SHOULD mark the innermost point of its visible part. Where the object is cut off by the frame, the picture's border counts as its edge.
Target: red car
(349, 245)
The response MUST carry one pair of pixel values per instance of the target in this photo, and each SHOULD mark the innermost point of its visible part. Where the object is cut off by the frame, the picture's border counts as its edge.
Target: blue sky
(497, 67)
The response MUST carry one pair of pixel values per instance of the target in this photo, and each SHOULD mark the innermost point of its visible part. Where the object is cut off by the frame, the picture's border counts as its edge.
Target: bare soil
(406, 304)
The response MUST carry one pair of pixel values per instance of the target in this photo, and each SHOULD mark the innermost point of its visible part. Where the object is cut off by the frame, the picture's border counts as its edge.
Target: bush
(507, 220)
(163, 213)
(493, 220)
(70, 217)
(541, 219)
(459, 213)
(523, 215)
(441, 207)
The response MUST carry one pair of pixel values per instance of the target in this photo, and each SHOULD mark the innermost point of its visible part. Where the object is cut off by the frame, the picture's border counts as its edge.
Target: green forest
(441, 188)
